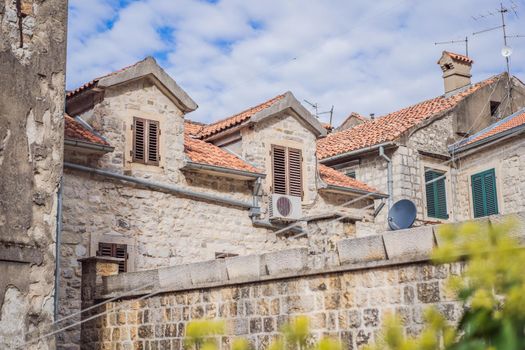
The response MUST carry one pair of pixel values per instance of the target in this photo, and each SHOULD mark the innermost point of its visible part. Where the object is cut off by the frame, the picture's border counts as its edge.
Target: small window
(351, 173)
(115, 250)
(436, 194)
(146, 134)
(287, 171)
(484, 193)
(494, 105)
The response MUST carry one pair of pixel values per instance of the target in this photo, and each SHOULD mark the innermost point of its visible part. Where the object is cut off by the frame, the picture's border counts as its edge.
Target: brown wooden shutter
(153, 142)
(279, 169)
(295, 176)
(139, 140)
(115, 251)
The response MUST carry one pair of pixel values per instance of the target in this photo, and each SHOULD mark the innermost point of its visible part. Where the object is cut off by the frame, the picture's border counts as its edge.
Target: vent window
(484, 193)
(146, 134)
(287, 171)
(494, 108)
(351, 173)
(115, 250)
(436, 194)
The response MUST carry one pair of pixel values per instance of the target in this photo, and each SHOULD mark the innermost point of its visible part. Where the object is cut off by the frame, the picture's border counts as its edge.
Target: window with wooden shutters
(115, 250)
(146, 134)
(287, 171)
(436, 194)
(484, 193)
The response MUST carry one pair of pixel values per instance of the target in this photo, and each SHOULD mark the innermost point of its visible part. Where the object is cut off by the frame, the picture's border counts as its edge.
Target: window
(351, 173)
(436, 194)
(494, 105)
(287, 171)
(484, 194)
(146, 135)
(115, 250)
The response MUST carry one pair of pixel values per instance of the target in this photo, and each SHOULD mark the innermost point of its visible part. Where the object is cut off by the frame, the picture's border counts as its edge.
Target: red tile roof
(237, 119)
(76, 131)
(458, 57)
(513, 121)
(335, 178)
(393, 125)
(206, 153)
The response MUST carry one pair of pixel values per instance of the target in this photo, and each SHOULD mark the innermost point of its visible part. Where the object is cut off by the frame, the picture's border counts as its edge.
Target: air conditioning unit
(285, 208)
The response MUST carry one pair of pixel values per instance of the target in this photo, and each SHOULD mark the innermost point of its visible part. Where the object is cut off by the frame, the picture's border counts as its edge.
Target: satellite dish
(506, 51)
(402, 215)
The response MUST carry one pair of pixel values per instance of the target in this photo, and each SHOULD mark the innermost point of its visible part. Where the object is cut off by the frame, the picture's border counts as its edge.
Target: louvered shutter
(436, 195)
(279, 169)
(153, 142)
(105, 249)
(295, 176)
(115, 251)
(139, 140)
(484, 193)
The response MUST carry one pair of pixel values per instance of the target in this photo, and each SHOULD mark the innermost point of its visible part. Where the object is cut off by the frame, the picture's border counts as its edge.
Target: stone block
(243, 267)
(126, 282)
(208, 272)
(413, 242)
(175, 277)
(361, 249)
(286, 261)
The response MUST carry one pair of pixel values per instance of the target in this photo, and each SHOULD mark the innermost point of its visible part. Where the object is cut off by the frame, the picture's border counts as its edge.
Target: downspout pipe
(162, 186)
(390, 180)
(58, 244)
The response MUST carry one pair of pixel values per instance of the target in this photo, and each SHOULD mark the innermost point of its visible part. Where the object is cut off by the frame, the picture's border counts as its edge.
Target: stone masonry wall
(255, 295)
(32, 85)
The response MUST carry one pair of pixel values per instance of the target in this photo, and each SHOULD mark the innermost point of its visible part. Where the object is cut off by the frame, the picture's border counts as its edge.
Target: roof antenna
(455, 42)
(315, 106)
(331, 112)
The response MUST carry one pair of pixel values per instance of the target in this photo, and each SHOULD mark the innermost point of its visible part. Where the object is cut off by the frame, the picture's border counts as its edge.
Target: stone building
(408, 153)
(32, 83)
(144, 184)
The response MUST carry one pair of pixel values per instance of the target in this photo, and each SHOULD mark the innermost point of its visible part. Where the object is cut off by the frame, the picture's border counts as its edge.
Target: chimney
(456, 70)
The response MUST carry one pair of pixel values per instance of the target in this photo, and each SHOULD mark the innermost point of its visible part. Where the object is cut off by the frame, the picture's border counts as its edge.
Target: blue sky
(360, 56)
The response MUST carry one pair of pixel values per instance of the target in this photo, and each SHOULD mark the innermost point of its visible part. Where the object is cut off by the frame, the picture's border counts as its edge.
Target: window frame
(287, 173)
(96, 238)
(440, 172)
(481, 174)
(147, 123)
(427, 163)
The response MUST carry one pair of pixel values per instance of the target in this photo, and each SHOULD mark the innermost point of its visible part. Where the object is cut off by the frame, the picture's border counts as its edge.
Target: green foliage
(492, 288)
(202, 335)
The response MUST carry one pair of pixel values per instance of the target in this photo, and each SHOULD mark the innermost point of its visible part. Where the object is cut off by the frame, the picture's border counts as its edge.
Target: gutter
(58, 245)
(390, 181)
(88, 145)
(162, 186)
(354, 190)
(498, 137)
(357, 152)
(220, 169)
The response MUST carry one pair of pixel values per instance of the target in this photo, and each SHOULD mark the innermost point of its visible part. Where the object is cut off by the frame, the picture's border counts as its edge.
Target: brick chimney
(456, 70)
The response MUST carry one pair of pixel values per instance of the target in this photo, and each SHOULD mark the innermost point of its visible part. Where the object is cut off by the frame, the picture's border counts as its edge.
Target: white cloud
(369, 57)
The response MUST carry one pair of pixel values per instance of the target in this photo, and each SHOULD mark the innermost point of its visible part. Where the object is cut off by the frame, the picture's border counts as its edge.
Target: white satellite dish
(506, 51)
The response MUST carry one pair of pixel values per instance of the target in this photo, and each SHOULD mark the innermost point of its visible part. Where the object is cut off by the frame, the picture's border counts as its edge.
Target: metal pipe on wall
(58, 244)
(390, 180)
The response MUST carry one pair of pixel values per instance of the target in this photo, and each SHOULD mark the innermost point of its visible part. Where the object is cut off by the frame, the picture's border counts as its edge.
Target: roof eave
(349, 190)
(357, 152)
(88, 145)
(491, 139)
(235, 173)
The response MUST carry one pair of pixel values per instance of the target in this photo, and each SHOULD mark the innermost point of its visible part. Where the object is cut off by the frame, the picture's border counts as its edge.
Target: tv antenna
(455, 42)
(315, 106)
(331, 112)
(506, 51)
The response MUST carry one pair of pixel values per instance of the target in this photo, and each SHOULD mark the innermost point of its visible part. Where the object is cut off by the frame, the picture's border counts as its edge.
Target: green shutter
(484, 193)
(436, 195)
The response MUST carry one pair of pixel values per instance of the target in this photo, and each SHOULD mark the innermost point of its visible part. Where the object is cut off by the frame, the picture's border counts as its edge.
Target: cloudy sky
(363, 56)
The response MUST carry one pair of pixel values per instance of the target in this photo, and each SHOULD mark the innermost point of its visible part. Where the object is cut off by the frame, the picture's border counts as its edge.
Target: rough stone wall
(508, 160)
(32, 85)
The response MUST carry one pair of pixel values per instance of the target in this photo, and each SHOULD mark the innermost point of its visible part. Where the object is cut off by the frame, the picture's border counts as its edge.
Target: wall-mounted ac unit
(285, 208)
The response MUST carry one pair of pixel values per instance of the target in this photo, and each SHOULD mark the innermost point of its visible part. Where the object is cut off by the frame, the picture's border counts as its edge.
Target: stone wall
(32, 84)
(256, 294)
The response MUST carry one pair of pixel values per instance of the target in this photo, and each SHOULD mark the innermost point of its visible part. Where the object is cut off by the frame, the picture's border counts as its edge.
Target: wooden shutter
(279, 170)
(139, 140)
(295, 176)
(115, 251)
(436, 195)
(153, 142)
(484, 193)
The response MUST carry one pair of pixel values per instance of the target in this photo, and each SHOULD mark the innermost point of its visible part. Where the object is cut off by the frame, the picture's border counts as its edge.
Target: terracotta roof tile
(333, 177)
(193, 128)
(458, 57)
(203, 152)
(76, 131)
(513, 121)
(393, 125)
(237, 119)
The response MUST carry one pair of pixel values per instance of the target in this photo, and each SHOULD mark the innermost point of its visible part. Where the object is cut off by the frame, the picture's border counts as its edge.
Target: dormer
(456, 70)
